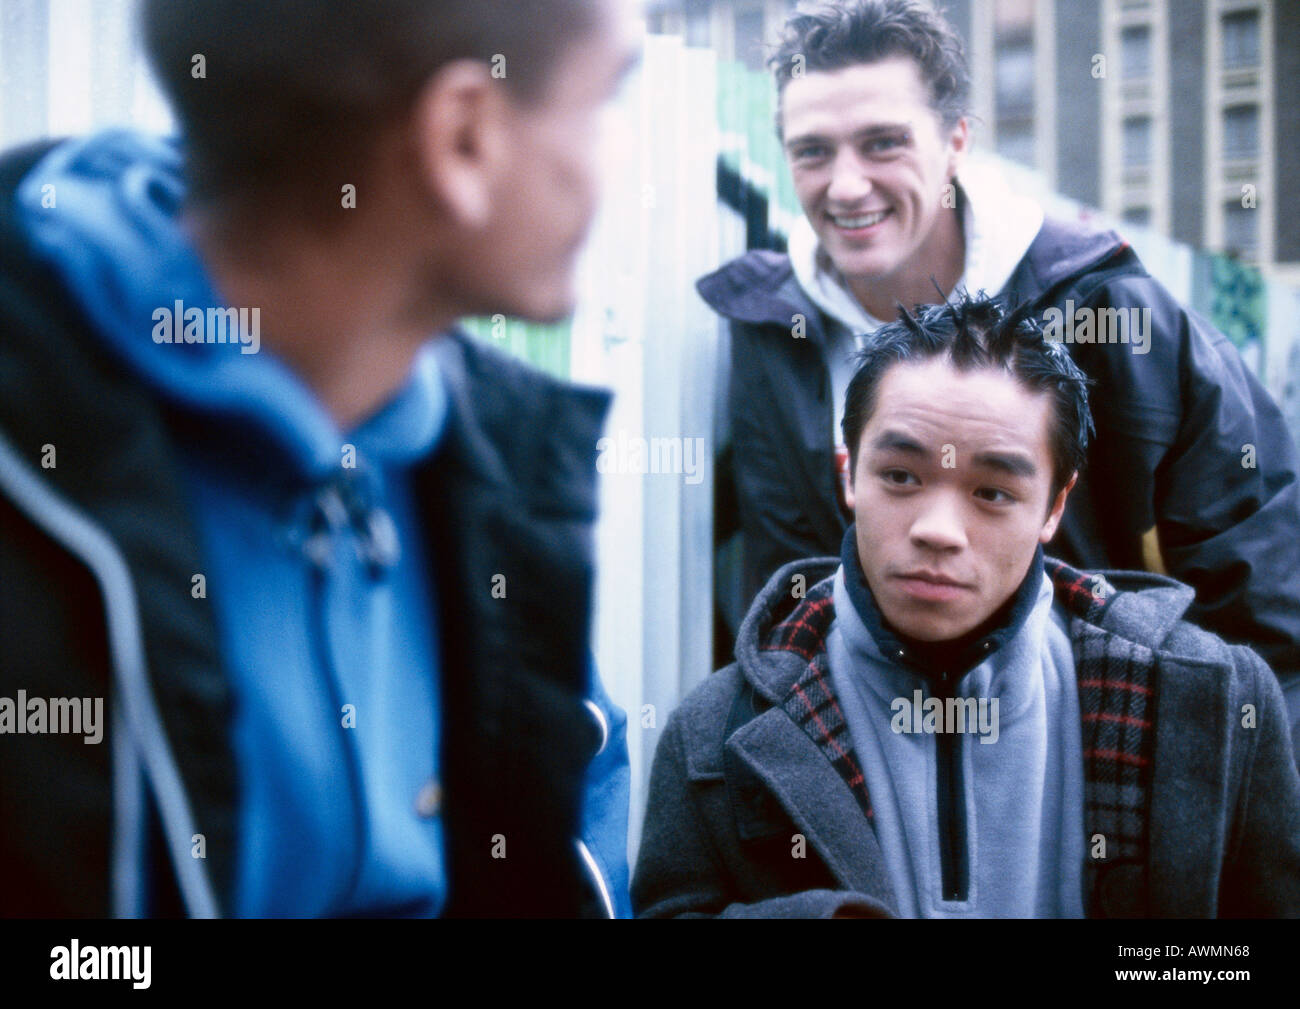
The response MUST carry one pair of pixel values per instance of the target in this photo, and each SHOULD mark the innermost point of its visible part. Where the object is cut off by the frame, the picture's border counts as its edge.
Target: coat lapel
(801, 753)
(817, 799)
(1190, 798)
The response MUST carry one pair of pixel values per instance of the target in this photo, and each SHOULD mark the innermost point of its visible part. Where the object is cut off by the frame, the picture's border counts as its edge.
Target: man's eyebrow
(896, 441)
(879, 129)
(1010, 463)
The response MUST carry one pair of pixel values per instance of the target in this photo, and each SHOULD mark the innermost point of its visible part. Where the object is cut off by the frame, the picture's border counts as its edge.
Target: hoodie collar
(824, 284)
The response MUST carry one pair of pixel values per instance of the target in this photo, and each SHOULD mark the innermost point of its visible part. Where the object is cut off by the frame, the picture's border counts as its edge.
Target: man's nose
(850, 183)
(938, 524)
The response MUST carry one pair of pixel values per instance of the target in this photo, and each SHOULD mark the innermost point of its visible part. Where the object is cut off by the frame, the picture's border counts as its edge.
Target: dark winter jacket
(758, 804)
(96, 559)
(1170, 484)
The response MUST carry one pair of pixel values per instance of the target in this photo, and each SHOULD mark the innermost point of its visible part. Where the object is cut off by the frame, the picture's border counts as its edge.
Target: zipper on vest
(954, 871)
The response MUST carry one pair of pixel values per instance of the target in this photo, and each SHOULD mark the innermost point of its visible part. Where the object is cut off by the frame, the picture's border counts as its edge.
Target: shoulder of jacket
(1150, 612)
(756, 266)
(1149, 621)
(1144, 608)
(758, 288)
(520, 426)
(1187, 641)
(517, 403)
(1124, 288)
(1067, 256)
(511, 382)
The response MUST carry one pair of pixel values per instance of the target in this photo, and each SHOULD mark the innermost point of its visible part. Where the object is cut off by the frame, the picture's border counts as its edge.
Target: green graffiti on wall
(1239, 306)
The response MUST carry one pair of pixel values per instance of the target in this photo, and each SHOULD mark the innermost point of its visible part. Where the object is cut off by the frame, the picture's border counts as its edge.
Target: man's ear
(459, 125)
(1058, 509)
(959, 144)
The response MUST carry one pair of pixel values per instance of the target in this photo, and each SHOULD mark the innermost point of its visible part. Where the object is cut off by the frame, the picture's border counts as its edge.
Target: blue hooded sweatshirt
(313, 559)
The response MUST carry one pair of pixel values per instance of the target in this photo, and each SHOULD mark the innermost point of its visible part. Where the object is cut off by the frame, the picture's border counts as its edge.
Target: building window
(1135, 52)
(1241, 39)
(749, 38)
(1016, 142)
(1137, 142)
(697, 22)
(1241, 131)
(1140, 216)
(1240, 229)
(1015, 79)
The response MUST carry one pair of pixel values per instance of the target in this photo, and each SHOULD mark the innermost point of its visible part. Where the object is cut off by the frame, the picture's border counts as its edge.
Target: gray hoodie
(1021, 783)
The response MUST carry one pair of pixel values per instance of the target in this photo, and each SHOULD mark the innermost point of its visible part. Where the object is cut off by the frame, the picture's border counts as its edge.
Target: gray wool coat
(758, 807)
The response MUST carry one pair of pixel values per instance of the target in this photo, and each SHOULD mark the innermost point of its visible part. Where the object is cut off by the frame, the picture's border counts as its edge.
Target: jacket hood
(103, 212)
(786, 627)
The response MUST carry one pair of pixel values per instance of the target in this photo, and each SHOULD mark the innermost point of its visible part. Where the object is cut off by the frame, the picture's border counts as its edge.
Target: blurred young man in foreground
(327, 559)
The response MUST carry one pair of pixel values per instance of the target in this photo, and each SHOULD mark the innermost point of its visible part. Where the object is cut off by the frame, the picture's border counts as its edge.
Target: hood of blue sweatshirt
(104, 211)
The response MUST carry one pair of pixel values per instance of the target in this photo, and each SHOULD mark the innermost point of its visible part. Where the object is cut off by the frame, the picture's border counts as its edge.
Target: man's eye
(883, 145)
(898, 477)
(810, 153)
(994, 496)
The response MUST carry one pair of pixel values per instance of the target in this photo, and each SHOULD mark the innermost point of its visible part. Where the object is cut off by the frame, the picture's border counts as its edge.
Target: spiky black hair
(980, 332)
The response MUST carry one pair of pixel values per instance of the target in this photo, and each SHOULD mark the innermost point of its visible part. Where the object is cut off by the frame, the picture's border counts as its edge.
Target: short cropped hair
(977, 333)
(295, 91)
(839, 35)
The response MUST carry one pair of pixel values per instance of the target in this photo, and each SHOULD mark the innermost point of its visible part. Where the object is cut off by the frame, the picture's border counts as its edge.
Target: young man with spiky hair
(944, 721)
(1193, 471)
(328, 559)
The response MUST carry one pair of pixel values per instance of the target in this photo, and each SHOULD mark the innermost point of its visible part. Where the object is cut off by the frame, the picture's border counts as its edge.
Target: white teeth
(866, 221)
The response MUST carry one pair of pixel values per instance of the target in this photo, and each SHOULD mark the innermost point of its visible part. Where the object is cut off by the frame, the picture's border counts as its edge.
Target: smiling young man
(944, 721)
(873, 118)
(331, 570)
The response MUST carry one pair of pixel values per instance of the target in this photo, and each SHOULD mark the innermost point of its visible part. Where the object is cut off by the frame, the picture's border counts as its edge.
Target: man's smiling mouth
(861, 221)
